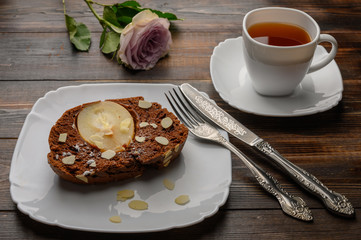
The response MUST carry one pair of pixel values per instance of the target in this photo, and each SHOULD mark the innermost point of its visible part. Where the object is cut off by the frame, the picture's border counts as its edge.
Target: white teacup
(278, 70)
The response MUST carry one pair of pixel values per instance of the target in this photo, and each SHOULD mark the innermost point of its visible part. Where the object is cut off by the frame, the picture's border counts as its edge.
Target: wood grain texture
(50, 56)
(204, 16)
(36, 57)
(246, 224)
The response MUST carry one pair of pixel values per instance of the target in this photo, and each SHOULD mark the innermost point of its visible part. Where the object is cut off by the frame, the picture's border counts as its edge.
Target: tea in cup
(278, 48)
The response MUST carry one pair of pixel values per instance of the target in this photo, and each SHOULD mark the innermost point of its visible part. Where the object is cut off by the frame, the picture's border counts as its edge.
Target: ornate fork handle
(334, 201)
(294, 206)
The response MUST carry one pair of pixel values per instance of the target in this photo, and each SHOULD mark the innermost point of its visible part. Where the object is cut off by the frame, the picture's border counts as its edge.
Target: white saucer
(318, 92)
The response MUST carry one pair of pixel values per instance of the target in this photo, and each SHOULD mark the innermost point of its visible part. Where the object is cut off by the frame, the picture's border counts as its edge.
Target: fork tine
(178, 111)
(183, 109)
(175, 109)
(190, 110)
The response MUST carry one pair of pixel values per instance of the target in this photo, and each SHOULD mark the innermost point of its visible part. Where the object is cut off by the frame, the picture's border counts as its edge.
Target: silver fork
(291, 205)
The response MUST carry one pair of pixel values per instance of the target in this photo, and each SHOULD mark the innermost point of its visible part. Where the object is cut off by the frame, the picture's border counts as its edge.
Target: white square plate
(203, 171)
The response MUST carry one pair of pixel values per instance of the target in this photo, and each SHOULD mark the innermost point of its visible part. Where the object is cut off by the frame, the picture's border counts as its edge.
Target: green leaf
(102, 21)
(125, 20)
(111, 42)
(79, 33)
(169, 16)
(115, 52)
(70, 24)
(102, 37)
(134, 4)
(125, 14)
(110, 16)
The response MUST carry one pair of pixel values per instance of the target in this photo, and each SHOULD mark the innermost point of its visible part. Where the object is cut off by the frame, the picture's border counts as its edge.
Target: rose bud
(144, 41)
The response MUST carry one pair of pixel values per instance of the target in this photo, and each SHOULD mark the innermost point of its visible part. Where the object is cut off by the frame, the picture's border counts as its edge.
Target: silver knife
(335, 202)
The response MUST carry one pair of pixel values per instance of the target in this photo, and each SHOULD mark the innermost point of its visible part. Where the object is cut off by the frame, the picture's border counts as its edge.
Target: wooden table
(36, 57)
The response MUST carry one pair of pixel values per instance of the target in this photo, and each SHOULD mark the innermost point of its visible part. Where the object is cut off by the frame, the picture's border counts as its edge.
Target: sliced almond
(166, 162)
(153, 125)
(143, 124)
(62, 137)
(123, 195)
(69, 160)
(144, 104)
(166, 122)
(182, 200)
(168, 184)
(167, 153)
(108, 154)
(176, 148)
(115, 219)
(139, 139)
(162, 140)
(167, 157)
(93, 164)
(138, 205)
(82, 177)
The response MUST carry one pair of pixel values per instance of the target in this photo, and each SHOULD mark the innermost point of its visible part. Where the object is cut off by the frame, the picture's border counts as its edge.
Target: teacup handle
(329, 57)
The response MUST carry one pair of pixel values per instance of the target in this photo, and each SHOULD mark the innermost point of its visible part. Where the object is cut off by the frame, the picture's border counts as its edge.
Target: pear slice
(106, 125)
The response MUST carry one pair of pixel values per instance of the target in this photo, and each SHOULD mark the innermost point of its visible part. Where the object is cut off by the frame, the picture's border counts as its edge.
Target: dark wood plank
(50, 56)
(29, 57)
(23, 94)
(6, 148)
(203, 16)
(247, 224)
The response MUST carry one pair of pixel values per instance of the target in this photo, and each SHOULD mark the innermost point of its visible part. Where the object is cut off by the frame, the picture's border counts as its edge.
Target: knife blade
(334, 202)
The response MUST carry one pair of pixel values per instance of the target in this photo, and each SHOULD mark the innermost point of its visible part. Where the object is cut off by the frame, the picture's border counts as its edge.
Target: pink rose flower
(144, 41)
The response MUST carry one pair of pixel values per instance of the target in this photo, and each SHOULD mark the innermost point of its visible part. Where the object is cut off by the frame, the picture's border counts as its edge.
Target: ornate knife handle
(291, 205)
(334, 201)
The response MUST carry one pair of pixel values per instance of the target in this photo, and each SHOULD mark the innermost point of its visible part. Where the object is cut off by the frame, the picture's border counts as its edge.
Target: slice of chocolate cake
(113, 140)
